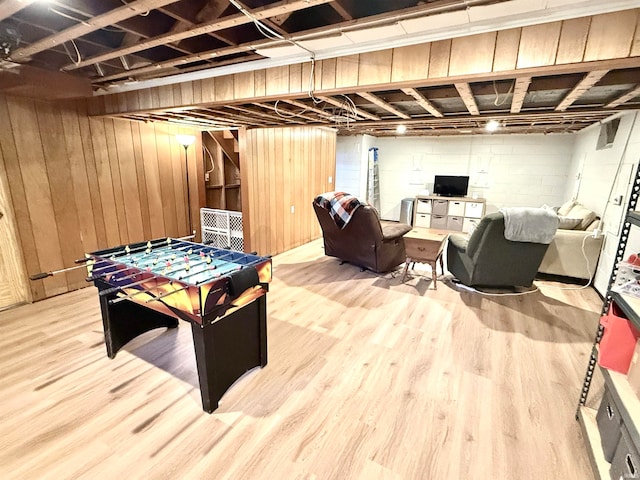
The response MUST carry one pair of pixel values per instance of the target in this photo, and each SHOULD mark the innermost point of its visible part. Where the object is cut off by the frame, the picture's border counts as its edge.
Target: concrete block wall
(602, 181)
(514, 170)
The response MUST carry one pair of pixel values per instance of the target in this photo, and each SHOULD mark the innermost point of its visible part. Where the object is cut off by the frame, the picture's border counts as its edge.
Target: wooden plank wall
(285, 167)
(612, 38)
(79, 184)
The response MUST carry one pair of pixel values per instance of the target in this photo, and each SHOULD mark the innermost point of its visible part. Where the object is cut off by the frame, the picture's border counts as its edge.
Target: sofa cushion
(580, 211)
(564, 209)
(593, 225)
(568, 223)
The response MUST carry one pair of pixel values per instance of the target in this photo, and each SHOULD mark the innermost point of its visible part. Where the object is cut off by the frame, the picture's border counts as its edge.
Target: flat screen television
(451, 186)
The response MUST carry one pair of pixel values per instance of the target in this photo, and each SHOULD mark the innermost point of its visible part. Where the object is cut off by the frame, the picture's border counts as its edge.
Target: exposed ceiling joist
(464, 90)
(256, 113)
(283, 112)
(631, 94)
(226, 22)
(128, 10)
(585, 84)
(519, 92)
(221, 115)
(424, 103)
(420, 91)
(384, 105)
(341, 11)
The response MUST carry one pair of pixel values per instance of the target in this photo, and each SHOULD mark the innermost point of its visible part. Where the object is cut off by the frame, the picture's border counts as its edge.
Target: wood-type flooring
(368, 378)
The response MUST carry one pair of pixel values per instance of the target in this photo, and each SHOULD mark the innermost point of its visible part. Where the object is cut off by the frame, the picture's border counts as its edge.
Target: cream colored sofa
(573, 242)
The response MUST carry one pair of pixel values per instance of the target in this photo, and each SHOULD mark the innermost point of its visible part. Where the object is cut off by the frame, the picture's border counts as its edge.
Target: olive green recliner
(488, 259)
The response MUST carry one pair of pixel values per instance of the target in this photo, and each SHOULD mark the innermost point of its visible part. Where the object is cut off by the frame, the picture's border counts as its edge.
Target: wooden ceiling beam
(464, 90)
(473, 131)
(90, 25)
(591, 115)
(211, 11)
(279, 111)
(337, 6)
(217, 25)
(422, 101)
(519, 92)
(255, 113)
(190, 120)
(273, 23)
(238, 120)
(384, 105)
(170, 64)
(9, 7)
(589, 80)
(634, 92)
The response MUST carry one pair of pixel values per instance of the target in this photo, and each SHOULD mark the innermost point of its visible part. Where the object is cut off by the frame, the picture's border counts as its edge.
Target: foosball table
(222, 293)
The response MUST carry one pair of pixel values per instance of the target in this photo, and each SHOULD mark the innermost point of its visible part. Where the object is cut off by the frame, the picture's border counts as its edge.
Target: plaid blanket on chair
(340, 205)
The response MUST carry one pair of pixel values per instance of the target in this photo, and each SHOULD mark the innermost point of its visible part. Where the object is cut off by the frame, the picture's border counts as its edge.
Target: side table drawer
(417, 249)
(423, 220)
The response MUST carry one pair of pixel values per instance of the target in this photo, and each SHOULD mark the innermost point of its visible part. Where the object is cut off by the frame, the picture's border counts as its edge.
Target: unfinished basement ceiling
(120, 44)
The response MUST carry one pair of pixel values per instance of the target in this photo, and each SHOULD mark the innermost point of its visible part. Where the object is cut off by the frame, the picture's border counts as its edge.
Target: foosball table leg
(228, 348)
(126, 320)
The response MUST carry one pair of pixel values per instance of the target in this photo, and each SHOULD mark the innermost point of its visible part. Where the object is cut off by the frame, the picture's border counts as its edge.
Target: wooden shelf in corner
(587, 420)
(214, 186)
(232, 185)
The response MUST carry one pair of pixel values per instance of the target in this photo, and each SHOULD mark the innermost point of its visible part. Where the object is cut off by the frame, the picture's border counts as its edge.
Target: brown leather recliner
(366, 241)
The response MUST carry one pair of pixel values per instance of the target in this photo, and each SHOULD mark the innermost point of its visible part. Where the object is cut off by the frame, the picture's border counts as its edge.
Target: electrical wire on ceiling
(288, 114)
(346, 113)
(497, 102)
(140, 14)
(69, 17)
(273, 35)
(83, 22)
(78, 58)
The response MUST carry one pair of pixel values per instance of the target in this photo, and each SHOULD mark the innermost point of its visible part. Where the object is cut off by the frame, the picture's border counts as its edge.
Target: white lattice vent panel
(222, 228)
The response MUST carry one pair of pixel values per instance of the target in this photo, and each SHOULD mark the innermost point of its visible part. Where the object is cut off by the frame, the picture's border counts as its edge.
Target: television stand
(458, 214)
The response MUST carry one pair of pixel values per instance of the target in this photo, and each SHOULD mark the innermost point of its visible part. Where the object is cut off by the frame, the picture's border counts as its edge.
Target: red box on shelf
(618, 340)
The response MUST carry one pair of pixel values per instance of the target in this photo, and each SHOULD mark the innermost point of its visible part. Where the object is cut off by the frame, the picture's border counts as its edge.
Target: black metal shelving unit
(627, 402)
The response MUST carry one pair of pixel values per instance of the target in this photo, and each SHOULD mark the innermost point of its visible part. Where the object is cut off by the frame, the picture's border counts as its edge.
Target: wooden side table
(425, 245)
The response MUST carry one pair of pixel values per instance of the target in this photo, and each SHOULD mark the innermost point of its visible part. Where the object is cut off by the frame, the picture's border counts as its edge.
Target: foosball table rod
(164, 295)
(109, 291)
(41, 275)
(113, 301)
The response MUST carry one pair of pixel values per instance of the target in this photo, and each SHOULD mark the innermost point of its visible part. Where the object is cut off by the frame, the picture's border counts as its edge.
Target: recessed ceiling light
(401, 129)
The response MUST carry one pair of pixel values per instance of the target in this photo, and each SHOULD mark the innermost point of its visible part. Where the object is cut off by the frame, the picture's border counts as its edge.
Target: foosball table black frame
(226, 345)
